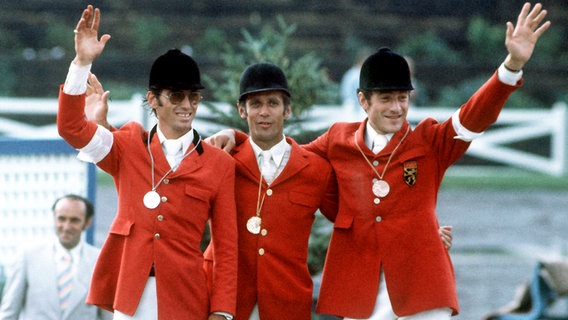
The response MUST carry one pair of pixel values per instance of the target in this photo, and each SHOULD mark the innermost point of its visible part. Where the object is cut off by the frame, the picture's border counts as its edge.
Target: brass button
(160, 217)
(269, 192)
(164, 199)
(261, 251)
(263, 232)
(157, 236)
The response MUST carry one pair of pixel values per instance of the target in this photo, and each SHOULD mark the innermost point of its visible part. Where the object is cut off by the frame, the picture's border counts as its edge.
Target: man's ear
(242, 110)
(287, 112)
(363, 101)
(88, 223)
(152, 100)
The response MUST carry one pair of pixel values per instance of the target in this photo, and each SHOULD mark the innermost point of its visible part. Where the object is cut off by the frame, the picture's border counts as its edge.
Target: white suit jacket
(31, 289)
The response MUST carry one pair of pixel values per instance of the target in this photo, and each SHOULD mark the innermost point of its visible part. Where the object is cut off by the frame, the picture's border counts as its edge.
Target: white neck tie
(379, 142)
(268, 167)
(65, 281)
(173, 151)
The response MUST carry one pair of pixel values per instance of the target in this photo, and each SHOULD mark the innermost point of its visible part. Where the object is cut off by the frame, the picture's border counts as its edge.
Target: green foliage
(429, 46)
(9, 41)
(148, 33)
(458, 95)
(8, 79)
(58, 34)
(319, 239)
(308, 80)
(485, 40)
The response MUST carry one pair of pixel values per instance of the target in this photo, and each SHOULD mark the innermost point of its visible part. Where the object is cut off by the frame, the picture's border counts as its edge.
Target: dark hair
(286, 100)
(89, 211)
(369, 93)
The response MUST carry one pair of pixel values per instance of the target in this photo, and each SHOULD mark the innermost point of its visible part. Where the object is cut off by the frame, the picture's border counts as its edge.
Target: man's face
(265, 113)
(174, 117)
(70, 221)
(386, 110)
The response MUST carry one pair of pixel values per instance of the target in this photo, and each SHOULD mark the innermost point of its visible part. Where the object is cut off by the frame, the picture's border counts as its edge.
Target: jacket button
(157, 236)
(261, 251)
(160, 217)
(166, 181)
(164, 199)
(375, 163)
(377, 200)
(378, 219)
(269, 192)
(263, 232)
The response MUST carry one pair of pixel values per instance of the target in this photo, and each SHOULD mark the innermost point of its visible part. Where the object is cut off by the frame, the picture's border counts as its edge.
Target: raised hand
(96, 103)
(521, 39)
(87, 44)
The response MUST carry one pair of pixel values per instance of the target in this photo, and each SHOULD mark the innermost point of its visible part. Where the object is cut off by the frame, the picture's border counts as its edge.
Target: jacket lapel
(248, 165)
(246, 161)
(297, 162)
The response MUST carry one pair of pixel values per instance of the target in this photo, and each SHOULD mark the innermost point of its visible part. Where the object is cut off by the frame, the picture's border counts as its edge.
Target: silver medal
(151, 199)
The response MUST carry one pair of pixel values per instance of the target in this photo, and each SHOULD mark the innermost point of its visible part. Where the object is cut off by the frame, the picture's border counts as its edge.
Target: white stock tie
(379, 142)
(173, 151)
(268, 167)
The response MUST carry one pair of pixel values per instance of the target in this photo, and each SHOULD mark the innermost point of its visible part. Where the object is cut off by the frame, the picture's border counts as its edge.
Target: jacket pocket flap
(303, 199)
(343, 221)
(121, 227)
(198, 193)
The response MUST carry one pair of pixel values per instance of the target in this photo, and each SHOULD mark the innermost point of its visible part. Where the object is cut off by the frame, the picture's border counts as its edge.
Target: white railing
(512, 126)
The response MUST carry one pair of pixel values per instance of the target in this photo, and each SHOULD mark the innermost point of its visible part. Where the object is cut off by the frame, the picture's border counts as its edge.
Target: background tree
(308, 81)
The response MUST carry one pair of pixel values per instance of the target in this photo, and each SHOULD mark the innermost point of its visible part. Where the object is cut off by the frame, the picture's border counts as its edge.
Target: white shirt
(280, 153)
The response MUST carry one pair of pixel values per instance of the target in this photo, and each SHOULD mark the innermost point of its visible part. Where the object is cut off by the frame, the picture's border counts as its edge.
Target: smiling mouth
(184, 115)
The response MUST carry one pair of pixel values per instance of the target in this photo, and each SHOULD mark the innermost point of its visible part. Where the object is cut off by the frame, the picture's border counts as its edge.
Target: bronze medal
(253, 225)
(381, 188)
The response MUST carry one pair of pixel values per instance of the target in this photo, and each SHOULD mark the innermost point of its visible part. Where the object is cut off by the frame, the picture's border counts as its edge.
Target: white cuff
(98, 147)
(461, 132)
(76, 82)
(508, 77)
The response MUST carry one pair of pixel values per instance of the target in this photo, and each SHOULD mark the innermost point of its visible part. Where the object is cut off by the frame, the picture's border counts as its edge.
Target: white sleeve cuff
(508, 77)
(98, 147)
(461, 132)
(76, 82)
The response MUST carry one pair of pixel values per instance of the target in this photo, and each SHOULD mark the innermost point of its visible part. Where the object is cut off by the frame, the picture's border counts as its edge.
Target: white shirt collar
(370, 135)
(186, 139)
(277, 151)
(61, 251)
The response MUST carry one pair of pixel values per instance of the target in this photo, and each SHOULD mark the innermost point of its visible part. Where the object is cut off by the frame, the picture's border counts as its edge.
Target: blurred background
(508, 210)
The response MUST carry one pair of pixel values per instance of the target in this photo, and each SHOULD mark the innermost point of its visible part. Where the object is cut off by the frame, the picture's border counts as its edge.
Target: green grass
(502, 178)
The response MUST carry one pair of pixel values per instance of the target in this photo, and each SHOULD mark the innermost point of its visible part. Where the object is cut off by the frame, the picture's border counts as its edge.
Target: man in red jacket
(278, 188)
(384, 249)
(169, 185)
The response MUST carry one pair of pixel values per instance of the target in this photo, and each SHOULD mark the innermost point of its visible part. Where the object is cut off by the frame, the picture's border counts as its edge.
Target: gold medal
(381, 188)
(151, 199)
(253, 225)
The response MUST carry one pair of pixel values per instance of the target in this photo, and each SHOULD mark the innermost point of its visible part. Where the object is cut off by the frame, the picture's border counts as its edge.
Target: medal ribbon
(155, 186)
(390, 157)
